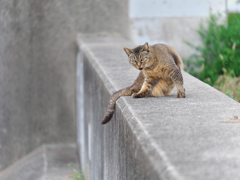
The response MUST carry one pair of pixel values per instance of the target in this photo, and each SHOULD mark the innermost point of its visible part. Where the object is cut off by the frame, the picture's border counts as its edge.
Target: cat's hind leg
(147, 87)
(157, 90)
(162, 88)
(177, 78)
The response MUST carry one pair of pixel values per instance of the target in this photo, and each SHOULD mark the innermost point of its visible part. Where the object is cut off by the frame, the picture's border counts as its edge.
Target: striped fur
(160, 67)
(128, 91)
(112, 101)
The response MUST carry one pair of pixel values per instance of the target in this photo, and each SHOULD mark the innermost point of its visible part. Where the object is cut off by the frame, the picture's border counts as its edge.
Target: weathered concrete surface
(104, 16)
(37, 79)
(48, 162)
(151, 138)
(38, 68)
(174, 31)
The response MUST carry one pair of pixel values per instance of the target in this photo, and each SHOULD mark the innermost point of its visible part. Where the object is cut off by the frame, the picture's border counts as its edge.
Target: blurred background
(38, 56)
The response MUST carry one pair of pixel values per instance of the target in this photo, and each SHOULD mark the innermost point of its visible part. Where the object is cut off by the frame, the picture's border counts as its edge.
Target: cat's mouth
(140, 68)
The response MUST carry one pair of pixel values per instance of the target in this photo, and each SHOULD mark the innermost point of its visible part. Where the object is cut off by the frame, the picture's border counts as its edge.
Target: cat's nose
(139, 64)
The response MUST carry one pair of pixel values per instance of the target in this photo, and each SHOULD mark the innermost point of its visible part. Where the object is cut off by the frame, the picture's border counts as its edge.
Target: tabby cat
(160, 70)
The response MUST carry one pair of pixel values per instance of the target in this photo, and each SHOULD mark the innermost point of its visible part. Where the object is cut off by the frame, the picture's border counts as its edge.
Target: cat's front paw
(136, 95)
(181, 95)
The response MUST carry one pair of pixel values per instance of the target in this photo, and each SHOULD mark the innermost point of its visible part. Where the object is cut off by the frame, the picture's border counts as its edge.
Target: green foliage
(78, 176)
(220, 49)
(228, 93)
(229, 85)
(75, 175)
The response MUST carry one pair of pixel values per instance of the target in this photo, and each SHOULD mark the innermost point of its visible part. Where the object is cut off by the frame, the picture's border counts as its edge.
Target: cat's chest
(159, 72)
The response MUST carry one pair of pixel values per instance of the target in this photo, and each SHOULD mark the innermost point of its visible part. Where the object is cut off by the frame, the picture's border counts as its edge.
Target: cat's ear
(128, 51)
(145, 47)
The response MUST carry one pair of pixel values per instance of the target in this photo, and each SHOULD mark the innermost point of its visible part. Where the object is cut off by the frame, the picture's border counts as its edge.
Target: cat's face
(139, 56)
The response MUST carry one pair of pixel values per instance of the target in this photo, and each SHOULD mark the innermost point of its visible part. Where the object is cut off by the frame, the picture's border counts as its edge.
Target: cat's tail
(112, 101)
(177, 59)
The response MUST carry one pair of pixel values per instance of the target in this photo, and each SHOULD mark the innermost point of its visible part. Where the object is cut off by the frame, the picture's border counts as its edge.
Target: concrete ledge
(150, 138)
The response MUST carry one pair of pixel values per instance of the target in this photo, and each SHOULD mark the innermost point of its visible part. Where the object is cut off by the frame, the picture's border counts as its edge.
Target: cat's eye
(132, 58)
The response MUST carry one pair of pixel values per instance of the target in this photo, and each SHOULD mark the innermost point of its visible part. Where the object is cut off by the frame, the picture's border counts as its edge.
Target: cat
(160, 71)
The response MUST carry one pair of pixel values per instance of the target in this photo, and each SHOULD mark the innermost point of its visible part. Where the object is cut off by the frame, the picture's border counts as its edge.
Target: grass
(75, 174)
(229, 85)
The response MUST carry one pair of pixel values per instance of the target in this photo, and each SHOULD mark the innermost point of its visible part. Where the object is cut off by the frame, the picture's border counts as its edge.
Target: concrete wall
(37, 91)
(37, 68)
(150, 138)
(104, 155)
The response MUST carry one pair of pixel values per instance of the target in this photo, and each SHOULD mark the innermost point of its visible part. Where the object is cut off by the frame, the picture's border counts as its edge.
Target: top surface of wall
(183, 138)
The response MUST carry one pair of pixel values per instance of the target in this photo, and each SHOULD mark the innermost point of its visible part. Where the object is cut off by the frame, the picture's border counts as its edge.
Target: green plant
(75, 175)
(220, 49)
(228, 85)
(228, 93)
